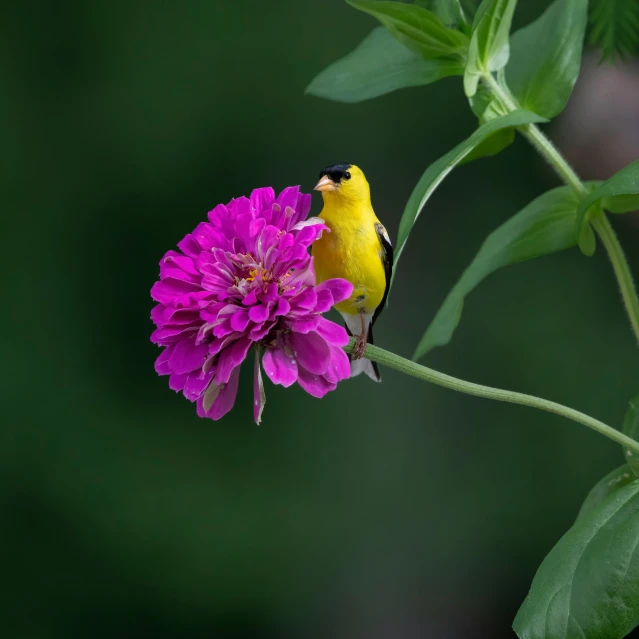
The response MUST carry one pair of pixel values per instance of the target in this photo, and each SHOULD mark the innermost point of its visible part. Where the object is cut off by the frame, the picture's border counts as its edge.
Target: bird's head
(343, 181)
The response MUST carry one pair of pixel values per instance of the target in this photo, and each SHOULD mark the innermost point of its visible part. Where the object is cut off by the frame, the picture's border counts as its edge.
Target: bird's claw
(360, 347)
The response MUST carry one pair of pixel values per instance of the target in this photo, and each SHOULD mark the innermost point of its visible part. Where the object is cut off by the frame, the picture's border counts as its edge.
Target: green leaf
(450, 11)
(489, 48)
(544, 226)
(605, 487)
(379, 65)
(545, 57)
(588, 585)
(619, 194)
(437, 171)
(615, 27)
(631, 428)
(495, 144)
(486, 108)
(621, 203)
(419, 29)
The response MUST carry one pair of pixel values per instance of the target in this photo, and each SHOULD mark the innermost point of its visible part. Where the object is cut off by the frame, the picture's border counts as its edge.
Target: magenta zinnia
(244, 280)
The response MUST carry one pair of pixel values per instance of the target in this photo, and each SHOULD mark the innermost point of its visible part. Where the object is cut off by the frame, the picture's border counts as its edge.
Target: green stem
(407, 367)
(600, 222)
(533, 133)
(604, 229)
(548, 151)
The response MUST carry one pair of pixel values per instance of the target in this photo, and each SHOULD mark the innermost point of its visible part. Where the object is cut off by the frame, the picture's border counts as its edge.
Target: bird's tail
(363, 365)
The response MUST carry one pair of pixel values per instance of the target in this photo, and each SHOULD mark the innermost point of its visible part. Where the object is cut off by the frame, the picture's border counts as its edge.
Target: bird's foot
(360, 346)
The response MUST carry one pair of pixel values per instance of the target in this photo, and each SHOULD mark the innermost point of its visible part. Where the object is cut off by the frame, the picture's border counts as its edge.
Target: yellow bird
(357, 249)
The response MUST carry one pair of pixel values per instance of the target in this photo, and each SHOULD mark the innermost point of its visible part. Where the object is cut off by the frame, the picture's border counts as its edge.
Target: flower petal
(189, 246)
(230, 358)
(280, 366)
(340, 367)
(311, 221)
(178, 260)
(271, 294)
(196, 384)
(339, 288)
(289, 198)
(163, 315)
(167, 290)
(282, 308)
(259, 313)
(302, 207)
(304, 324)
(306, 235)
(250, 299)
(223, 397)
(176, 382)
(311, 352)
(169, 335)
(187, 356)
(307, 299)
(240, 320)
(315, 385)
(162, 362)
(262, 199)
(324, 301)
(332, 333)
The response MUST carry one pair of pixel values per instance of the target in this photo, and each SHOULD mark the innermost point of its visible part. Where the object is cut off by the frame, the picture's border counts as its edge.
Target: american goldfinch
(357, 249)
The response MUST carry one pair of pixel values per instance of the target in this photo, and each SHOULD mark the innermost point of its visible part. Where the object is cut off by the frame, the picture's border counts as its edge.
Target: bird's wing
(387, 257)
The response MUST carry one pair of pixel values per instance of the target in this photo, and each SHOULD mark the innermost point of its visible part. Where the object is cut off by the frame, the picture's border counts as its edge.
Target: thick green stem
(403, 365)
(548, 151)
(605, 231)
(534, 135)
(600, 223)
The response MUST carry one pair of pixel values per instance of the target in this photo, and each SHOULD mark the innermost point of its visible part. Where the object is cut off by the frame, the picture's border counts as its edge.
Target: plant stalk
(534, 135)
(426, 374)
(599, 222)
(604, 229)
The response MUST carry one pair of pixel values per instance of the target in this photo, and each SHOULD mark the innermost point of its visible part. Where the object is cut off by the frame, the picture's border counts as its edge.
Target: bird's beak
(325, 184)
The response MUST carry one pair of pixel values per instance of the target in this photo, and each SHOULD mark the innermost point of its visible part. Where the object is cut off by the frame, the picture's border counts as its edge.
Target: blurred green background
(400, 510)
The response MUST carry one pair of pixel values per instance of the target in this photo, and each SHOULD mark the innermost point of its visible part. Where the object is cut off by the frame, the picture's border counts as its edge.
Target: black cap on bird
(332, 176)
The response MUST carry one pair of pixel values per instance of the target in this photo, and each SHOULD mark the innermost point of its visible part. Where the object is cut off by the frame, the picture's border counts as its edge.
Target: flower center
(253, 273)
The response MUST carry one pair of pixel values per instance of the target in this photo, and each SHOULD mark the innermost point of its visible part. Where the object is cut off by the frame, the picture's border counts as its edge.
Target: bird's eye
(347, 175)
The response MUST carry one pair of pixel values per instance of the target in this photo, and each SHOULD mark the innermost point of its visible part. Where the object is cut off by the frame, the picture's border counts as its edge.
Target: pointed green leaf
(631, 428)
(588, 585)
(494, 145)
(605, 487)
(619, 194)
(379, 65)
(545, 57)
(420, 30)
(451, 12)
(544, 226)
(489, 48)
(437, 171)
(621, 203)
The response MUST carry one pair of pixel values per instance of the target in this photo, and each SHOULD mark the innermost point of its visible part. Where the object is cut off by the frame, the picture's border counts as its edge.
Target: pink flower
(245, 279)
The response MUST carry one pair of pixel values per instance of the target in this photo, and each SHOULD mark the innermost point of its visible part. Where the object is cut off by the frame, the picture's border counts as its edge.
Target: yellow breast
(352, 251)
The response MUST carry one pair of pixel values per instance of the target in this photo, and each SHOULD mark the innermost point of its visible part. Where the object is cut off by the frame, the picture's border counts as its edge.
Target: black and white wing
(386, 254)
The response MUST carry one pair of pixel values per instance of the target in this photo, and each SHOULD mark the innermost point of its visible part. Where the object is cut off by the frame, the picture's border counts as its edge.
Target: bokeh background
(400, 510)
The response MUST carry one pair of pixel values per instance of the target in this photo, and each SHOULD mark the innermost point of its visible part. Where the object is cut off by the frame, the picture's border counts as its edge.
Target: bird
(357, 249)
